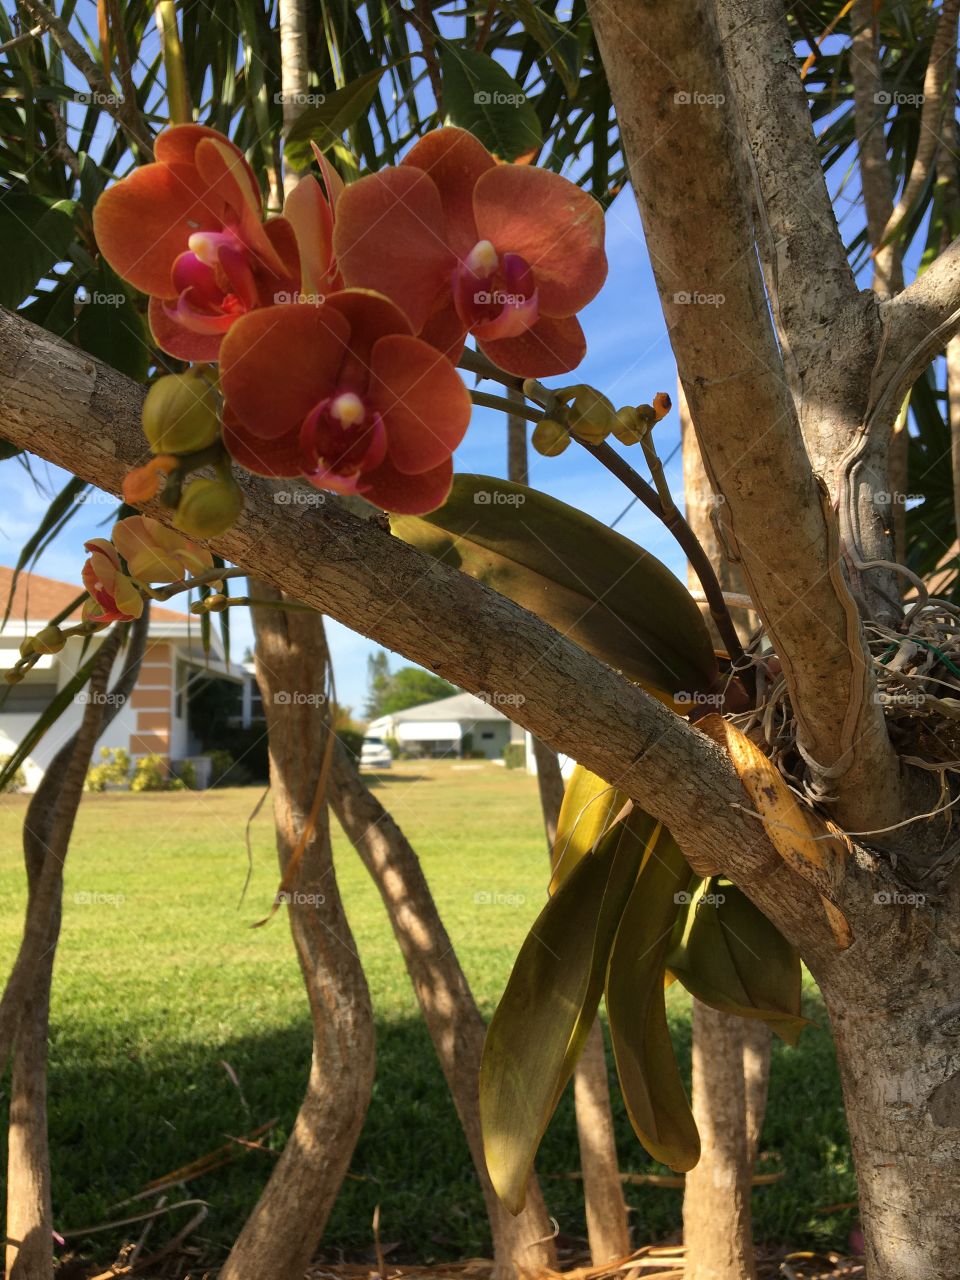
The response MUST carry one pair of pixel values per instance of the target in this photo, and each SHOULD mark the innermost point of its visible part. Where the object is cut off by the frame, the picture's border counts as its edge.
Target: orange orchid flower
(113, 597)
(509, 253)
(188, 231)
(156, 553)
(361, 406)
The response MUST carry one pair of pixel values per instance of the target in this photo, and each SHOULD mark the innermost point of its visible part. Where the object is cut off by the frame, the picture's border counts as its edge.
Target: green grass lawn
(161, 984)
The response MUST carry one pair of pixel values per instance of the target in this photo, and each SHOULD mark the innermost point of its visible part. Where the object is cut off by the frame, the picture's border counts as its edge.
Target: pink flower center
(495, 295)
(342, 437)
(215, 282)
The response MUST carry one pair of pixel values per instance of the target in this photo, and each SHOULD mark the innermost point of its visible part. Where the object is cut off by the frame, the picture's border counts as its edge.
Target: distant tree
(378, 676)
(408, 687)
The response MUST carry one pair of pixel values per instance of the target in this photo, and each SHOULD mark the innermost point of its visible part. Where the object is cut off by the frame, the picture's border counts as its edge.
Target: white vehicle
(375, 754)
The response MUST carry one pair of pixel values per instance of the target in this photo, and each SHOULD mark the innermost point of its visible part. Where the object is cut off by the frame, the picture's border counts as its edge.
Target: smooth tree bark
(521, 1244)
(47, 829)
(608, 1229)
(718, 1230)
(286, 1225)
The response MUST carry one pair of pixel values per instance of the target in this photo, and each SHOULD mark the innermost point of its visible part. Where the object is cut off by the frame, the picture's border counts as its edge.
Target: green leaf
(546, 1012)
(558, 42)
(595, 586)
(727, 953)
(481, 97)
(60, 511)
(324, 123)
(111, 328)
(649, 1076)
(36, 233)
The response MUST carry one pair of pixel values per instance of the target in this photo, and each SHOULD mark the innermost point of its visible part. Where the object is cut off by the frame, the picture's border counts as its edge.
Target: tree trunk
(282, 1233)
(716, 1204)
(47, 829)
(608, 1229)
(456, 1027)
(716, 1212)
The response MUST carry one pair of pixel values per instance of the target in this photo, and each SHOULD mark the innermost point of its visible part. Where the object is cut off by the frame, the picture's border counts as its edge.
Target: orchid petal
(422, 400)
(277, 363)
(171, 336)
(392, 490)
(280, 456)
(388, 236)
(309, 214)
(551, 223)
(455, 160)
(549, 347)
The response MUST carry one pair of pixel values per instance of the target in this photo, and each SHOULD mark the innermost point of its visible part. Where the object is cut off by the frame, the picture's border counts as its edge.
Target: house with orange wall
(154, 721)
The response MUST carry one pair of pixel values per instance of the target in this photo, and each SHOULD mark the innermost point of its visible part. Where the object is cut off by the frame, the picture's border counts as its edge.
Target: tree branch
(918, 324)
(61, 404)
(936, 102)
(677, 124)
(876, 180)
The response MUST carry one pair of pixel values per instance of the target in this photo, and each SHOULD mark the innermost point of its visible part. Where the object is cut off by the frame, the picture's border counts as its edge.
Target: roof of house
(38, 599)
(460, 706)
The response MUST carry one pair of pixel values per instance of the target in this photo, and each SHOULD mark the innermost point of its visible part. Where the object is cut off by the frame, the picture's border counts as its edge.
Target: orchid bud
(208, 507)
(591, 416)
(26, 647)
(49, 640)
(13, 676)
(628, 429)
(181, 414)
(550, 438)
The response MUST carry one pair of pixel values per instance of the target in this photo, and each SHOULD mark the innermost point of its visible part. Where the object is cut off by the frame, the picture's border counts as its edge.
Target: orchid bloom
(509, 253)
(155, 553)
(113, 597)
(358, 406)
(188, 231)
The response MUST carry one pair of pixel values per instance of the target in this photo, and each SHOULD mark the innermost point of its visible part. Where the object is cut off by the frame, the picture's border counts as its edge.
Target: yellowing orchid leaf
(649, 1076)
(729, 956)
(550, 1002)
(805, 843)
(590, 807)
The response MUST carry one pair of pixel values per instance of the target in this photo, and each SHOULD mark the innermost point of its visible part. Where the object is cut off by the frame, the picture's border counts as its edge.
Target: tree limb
(677, 124)
(876, 180)
(63, 405)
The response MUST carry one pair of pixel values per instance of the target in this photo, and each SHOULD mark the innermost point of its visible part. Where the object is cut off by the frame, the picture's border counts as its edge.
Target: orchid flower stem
(476, 363)
(687, 540)
(506, 406)
(292, 606)
(657, 473)
(203, 580)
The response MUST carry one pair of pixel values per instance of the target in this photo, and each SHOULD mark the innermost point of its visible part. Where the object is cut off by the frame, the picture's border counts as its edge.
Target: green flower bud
(181, 414)
(550, 438)
(208, 507)
(13, 676)
(628, 429)
(49, 640)
(216, 603)
(26, 647)
(198, 608)
(591, 416)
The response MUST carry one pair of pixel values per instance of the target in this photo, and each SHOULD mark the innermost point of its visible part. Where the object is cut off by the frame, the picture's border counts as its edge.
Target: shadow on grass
(120, 1117)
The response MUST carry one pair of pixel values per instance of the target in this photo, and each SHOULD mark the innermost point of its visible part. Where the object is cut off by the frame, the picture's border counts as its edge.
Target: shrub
(221, 762)
(352, 739)
(393, 746)
(19, 779)
(515, 755)
(114, 769)
(152, 773)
